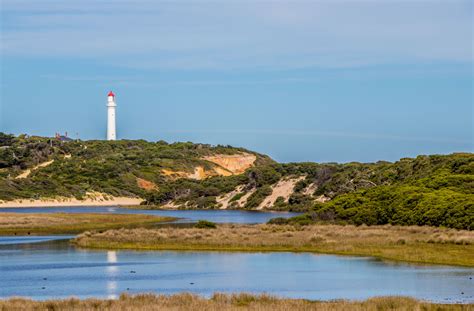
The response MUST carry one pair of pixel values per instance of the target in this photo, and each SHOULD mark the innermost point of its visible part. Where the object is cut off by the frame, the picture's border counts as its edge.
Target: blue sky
(298, 80)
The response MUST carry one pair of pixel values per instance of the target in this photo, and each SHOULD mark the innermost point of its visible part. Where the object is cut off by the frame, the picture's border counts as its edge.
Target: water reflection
(112, 271)
(111, 256)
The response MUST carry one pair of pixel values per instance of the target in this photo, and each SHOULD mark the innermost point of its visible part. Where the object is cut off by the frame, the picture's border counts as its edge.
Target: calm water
(218, 216)
(56, 269)
(7, 240)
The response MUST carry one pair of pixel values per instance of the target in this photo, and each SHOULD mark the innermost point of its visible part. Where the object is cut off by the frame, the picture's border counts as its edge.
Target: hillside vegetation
(429, 190)
(119, 168)
(435, 190)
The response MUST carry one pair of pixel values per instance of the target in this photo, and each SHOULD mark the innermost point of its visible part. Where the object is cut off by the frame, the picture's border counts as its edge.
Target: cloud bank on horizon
(352, 72)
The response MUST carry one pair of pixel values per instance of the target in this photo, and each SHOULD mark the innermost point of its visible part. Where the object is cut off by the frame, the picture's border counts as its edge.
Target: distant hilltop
(428, 190)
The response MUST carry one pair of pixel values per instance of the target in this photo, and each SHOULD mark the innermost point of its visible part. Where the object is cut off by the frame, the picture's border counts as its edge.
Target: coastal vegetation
(134, 168)
(204, 224)
(397, 205)
(226, 302)
(400, 243)
(60, 223)
(434, 190)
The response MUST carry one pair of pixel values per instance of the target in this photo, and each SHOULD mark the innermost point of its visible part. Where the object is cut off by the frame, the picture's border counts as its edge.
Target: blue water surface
(218, 216)
(56, 269)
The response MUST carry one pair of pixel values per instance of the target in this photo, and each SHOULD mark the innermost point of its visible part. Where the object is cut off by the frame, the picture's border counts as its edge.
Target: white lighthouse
(111, 133)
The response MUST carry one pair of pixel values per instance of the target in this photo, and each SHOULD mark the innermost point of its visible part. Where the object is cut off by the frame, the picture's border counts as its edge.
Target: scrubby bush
(204, 224)
(237, 197)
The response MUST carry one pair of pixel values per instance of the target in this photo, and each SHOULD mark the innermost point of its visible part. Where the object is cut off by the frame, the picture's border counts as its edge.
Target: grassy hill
(435, 190)
(117, 168)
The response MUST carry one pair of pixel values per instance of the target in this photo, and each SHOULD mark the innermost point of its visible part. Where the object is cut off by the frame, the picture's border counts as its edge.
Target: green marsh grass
(62, 223)
(416, 244)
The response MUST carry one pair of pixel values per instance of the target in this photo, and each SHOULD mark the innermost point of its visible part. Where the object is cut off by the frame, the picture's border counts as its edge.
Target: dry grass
(61, 223)
(414, 244)
(224, 302)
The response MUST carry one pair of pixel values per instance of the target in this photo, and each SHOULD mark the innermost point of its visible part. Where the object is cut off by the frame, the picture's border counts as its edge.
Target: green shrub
(204, 224)
(237, 197)
(278, 221)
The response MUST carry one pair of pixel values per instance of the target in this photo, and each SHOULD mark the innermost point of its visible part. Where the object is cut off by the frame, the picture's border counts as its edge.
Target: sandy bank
(109, 201)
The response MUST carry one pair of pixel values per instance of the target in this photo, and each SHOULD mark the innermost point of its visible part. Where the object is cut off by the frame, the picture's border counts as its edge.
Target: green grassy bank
(62, 223)
(428, 245)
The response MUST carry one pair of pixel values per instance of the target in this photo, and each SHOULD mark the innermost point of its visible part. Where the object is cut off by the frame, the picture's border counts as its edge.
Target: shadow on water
(25, 242)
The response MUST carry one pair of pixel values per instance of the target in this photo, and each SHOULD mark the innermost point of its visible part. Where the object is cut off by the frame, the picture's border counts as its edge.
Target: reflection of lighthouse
(111, 134)
(112, 273)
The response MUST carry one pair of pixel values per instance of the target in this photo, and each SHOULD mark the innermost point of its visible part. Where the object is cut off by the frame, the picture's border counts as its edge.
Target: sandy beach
(61, 202)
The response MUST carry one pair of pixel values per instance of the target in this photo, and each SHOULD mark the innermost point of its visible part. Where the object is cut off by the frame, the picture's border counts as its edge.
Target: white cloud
(239, 34)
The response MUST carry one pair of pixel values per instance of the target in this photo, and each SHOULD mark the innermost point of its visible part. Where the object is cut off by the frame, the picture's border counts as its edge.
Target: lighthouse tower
(111, 133)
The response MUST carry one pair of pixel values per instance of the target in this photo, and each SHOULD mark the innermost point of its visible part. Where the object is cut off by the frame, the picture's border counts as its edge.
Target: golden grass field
(224, 302)
(401, 243)
(61, 223)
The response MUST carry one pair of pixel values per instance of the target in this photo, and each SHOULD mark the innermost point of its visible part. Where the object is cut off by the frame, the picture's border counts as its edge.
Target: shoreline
(228, 302)
(31, 224)
(70, 202)
(120, 202)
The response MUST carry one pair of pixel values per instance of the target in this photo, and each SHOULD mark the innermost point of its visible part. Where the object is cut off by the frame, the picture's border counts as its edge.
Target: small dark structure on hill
(62, 137)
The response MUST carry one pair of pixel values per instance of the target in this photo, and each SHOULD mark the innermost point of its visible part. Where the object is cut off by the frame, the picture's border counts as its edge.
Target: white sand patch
(322, 198)
(243, 200)
(224, 200)
(310, 192)
(170, 205)
(27, 172)
(283, 188)
(310, 189)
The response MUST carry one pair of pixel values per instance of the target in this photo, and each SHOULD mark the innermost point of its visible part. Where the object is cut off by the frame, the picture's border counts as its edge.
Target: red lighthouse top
(111, 94)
